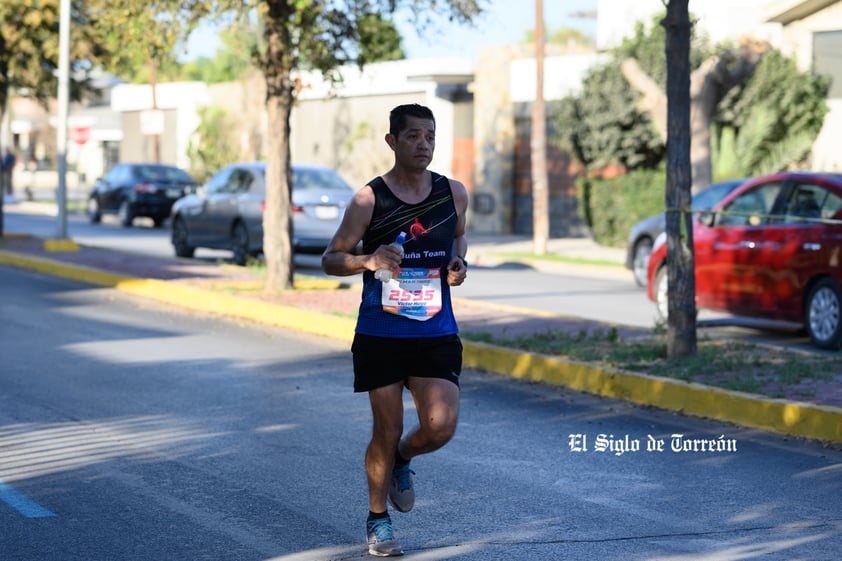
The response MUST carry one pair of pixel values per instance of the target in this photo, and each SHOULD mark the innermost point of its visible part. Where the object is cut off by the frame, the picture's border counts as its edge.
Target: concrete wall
(343, 125)
(347, 134)
(504, 89)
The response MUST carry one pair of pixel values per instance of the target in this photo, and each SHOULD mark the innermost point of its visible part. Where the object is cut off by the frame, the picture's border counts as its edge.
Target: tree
(681, 337)
(709, 84)
(767, 123)
(770, 122)
(380, 40)
(568, 37)
(29, 31)
(153, 29)
(322, 36)
(29, 48)
(232, 60)
(212, 147)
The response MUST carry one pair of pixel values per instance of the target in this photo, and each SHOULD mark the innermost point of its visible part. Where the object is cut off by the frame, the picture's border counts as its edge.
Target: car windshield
(704, 200)
(163, 174)
(318, 180)
(315, 179)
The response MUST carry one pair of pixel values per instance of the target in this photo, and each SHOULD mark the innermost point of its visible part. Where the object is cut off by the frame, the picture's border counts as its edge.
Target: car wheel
(179, 239)
(642, 249)
(822, 316)
(124, 213)
(660, 290)
(94, 212)
(240, 243)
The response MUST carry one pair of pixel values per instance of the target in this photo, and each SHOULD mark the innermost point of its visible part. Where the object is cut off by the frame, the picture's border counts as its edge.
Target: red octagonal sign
(80, 135)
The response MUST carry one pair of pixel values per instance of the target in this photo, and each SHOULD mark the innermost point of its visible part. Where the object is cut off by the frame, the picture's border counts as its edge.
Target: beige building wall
(797, 35)
(346, 133)
(139, 147)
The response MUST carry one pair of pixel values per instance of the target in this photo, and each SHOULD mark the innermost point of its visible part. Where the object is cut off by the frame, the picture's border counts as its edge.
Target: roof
(788, 11)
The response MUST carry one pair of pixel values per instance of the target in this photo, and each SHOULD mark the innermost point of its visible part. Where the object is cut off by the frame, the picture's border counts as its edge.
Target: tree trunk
(681, 335)
(4, 96)
(277, 218)
(705, 95)
(540, 187)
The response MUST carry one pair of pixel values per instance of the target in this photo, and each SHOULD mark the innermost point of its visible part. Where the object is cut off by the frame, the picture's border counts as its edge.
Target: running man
(406, 333)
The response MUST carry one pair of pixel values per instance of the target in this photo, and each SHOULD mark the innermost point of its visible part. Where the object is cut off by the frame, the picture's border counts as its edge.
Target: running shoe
(381, 538)
(402, 490)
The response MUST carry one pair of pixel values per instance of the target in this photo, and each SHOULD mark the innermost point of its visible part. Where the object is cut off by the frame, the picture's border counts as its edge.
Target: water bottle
(385, 275)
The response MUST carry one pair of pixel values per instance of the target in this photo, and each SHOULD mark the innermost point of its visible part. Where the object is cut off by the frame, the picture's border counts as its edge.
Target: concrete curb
(775, 415)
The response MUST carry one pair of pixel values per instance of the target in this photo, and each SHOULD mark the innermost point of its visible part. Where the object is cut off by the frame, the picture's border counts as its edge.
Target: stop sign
(80, 135)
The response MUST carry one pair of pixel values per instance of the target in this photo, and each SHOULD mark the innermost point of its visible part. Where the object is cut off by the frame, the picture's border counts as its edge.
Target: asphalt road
(129, 431)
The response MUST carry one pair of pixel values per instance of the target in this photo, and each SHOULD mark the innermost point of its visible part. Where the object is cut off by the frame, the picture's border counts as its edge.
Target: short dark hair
(397, 118)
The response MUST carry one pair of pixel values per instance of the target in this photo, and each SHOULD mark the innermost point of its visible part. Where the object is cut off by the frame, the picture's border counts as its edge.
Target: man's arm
(339, 258)
(456, 268)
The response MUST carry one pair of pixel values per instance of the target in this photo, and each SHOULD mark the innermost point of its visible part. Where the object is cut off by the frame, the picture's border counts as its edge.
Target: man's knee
(440, 429)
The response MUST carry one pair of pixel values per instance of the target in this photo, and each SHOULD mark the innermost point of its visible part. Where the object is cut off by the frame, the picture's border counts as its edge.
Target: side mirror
(706, 218)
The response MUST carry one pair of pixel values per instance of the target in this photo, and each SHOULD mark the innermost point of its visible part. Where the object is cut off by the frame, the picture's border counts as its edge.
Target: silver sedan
(227, 212)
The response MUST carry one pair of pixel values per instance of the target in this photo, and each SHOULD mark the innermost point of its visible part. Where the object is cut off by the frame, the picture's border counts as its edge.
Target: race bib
(413, 293)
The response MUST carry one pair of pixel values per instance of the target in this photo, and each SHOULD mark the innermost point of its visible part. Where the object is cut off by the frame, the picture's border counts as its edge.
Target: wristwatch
(462, 259)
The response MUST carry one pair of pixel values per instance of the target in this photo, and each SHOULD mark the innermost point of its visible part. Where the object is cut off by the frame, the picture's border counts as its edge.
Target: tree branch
(654, 99)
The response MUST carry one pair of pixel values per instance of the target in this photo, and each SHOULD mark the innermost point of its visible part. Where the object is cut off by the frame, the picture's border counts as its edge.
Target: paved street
(130, 432)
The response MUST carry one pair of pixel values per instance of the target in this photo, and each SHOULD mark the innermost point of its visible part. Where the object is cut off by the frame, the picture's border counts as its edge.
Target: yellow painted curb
(275, 315)
(60, 245)
(787, 417)
(49, 266)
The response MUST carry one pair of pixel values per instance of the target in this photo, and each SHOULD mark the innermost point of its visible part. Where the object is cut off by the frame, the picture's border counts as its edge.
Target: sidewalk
(188, 284)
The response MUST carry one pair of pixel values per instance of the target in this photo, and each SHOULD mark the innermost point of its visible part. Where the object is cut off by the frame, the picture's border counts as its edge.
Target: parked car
(772, 249)
(643, 234)
(138, 189)
(227, 212)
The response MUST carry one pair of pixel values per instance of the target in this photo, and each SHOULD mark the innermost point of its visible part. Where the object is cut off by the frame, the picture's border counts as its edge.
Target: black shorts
(381, 361)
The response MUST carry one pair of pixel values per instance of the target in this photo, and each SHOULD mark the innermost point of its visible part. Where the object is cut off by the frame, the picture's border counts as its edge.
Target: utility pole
(63, 108)
(540, 188)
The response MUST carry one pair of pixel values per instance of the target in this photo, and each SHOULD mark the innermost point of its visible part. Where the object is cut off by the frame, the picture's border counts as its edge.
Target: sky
(504, 22)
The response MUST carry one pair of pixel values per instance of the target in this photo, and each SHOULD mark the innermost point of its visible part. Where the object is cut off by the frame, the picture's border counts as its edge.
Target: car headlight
(659, 241)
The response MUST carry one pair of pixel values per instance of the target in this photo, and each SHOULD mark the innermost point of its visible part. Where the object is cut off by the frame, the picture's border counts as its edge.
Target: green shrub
(612, 206)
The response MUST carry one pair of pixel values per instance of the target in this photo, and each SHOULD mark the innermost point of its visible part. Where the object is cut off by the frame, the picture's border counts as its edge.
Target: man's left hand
(456, 271)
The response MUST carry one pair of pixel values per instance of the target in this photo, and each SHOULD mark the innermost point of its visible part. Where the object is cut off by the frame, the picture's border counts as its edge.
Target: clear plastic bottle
(385, 275)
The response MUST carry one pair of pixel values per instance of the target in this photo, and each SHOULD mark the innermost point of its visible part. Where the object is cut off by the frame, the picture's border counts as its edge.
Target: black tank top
(430, 227)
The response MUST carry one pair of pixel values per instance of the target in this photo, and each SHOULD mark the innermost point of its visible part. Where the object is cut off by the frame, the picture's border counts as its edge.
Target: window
(805, 202)
(318, 180)
(240, 181)
(217, 183)
(827, 59)
(752, 208)
(808, 202)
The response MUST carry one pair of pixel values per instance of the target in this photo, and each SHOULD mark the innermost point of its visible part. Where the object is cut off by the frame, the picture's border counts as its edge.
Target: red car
(772, 249)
